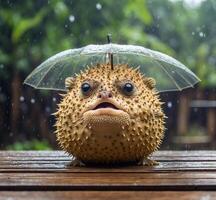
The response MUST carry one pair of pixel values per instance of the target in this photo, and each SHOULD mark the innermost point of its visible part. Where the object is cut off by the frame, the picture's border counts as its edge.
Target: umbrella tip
(109, 37)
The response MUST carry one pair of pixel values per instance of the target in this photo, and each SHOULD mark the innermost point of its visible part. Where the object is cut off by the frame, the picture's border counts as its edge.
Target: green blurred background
(31, 31)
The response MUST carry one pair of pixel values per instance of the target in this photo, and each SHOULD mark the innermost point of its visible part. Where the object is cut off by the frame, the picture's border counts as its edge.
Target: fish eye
(128, 89)
(86, 88)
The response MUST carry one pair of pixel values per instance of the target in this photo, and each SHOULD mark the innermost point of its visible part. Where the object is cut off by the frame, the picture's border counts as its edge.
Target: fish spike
(55, 113)
(69, 82)
(62, 95)
(143, 75)
(137, 68)
(158, 114)
(130, 68)
(86, 68)
(150, 83)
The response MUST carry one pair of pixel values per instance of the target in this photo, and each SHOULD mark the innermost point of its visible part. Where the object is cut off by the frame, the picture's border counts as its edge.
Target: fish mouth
(103, 105)
(106, 115)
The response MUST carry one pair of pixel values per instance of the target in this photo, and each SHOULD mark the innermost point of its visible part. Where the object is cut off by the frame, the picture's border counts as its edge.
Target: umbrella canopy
(169, 74)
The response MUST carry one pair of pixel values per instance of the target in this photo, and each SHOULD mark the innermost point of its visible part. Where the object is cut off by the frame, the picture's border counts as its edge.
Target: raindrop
(201, 34)
(193, 33)
(98, 6)
(32, 101)
(48, 109)
(169, 104)
(66, 26)
(1, 66)
(71, 18)
(22, 98)
(54, 99)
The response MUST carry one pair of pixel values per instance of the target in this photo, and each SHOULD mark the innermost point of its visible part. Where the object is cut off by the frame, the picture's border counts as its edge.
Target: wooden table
(48, 175)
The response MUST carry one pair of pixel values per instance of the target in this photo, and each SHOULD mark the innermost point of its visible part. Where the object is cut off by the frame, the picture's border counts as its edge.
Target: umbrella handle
(110, 54)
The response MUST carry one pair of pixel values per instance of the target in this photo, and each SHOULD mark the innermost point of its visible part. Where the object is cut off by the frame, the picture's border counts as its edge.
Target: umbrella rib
(46, 73)
(168, 75)
(191, 85)
(60, 73)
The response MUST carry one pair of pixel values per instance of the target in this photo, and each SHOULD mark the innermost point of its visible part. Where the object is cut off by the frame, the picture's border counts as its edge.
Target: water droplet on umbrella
(201, 34)
(32, 101)
(98, 6)
(54, 99)
(169, 104)
(71, 18)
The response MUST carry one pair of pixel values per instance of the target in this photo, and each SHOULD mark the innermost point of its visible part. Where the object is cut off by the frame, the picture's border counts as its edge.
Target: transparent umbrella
(169, 74)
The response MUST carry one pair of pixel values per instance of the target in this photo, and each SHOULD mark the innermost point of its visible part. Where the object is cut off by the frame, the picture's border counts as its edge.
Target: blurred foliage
(31, 31)
(34, 30)
(30, 145)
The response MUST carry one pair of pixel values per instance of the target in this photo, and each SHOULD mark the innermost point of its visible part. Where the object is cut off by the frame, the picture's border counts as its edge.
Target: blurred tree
(31, 31)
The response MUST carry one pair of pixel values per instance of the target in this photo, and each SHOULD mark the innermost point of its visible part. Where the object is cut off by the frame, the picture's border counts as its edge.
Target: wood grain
(197, 153)
(108, 181)
(64, 166)
(107, 195)
(49, 175)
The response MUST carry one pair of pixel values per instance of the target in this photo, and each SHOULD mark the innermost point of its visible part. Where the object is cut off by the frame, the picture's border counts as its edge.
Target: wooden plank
(108, 181)
(62, 153)
(107, 195)
(67, 158)
(59, 161)
(64, 166)
(51, 171)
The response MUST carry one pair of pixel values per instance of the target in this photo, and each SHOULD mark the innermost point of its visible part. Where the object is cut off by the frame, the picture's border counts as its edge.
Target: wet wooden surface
(48, 175)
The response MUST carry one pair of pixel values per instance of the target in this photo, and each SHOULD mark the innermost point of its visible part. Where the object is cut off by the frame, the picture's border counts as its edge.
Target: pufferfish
(110, 116)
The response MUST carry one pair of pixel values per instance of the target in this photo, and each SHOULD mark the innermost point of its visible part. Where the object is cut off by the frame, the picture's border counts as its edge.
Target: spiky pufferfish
(110, 116)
